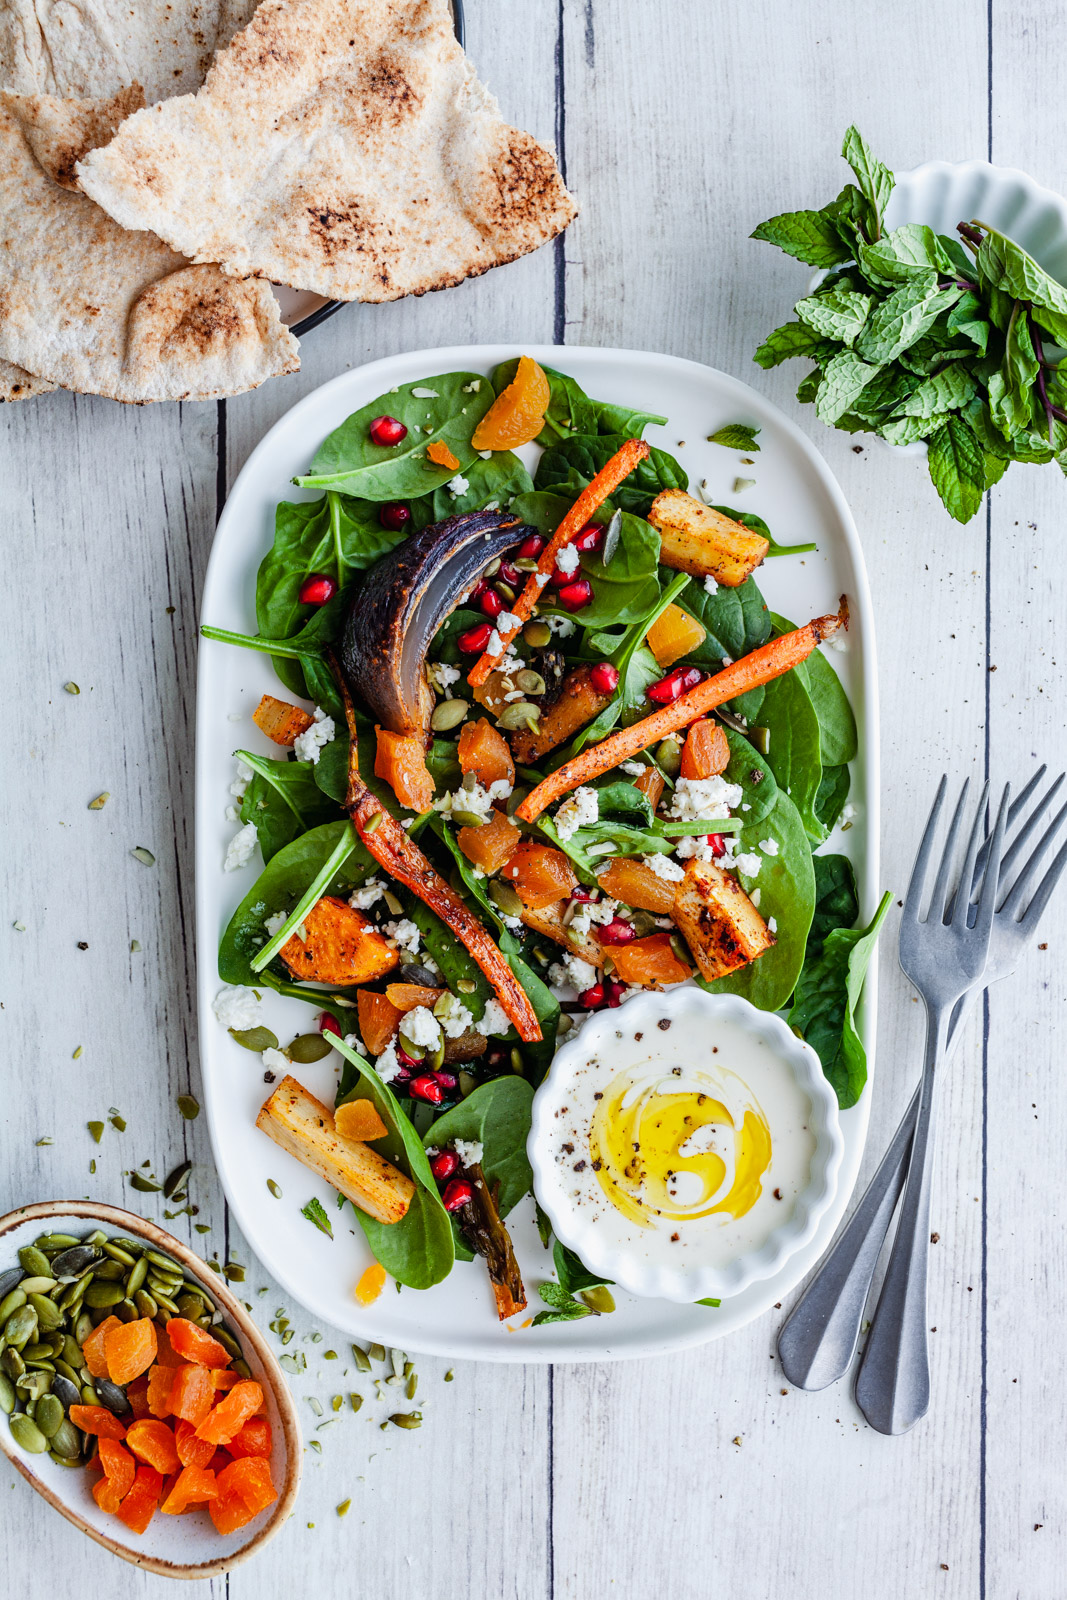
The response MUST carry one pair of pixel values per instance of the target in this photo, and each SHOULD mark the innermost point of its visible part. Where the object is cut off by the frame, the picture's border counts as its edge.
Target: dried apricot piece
(224, 1380)
(254, 1439)
(192, 1452)
(130, 1349)
(107, 1496)
(371, 1284)
(228, 1512)
(250, 1478)
(152, 1441)
(137, 1395)
(191, 1343)
(517, 415)
(441, 455)
(230, 1415)
(93, 1348)
(166, 1355)
(139, 1505)
(98, 1420)
(193, 1486)
(120, 1468)
(484, 751)
(160, 1381)
(192, 1394)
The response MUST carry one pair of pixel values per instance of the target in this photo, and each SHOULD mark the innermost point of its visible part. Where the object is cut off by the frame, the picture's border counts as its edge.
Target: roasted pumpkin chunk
(635, 884)
(539, 874)
(281, 721)
(484, 751)
(340, 945)
(720, 924)
(550, 923)
(651, 786)
(705, 753)
(578, 703)
(400, 760)
(650, 962)
(491, 845)
(379, 1020)
(675, 634)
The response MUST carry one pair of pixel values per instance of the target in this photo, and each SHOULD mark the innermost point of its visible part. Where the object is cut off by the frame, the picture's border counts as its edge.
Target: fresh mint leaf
(945, 391)
(793, 339)
(735, 436)
(957, 468)
(1011, 388)
(315, 1213)
(874, 178)
(910, 253)
(840, 314)
(901, 319)
(808, 235)
(908, 430)
(843, 382)
(574, 1277)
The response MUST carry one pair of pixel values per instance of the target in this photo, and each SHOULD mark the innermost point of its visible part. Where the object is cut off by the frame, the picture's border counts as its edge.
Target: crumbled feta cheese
(635, 768)
(354, 1042)
(494, 1018)
(441, 675)
(387, 1065)
(236, 1007)
(664, 867)
(494, 644)
(274, 1061)
(848, 812)
(772, 925)
(422, 1027)
(453, 1016)
(748, 864)
(240, 848)
(308, 745)
(755, 897)
(507, 622)
(514, 923)
(578, 809)
(727, 661)
(561, 625)
(572, 971)
(710, 586)
(426, 394)
(403, 933)
(769, 846)
(839, 643)
(700, 799)
(232, 814)
(477, 799)
(275, 922)
(472, 387)
(366, 895)
(541, 578)
(694, 846)
(458, 485)
(469, 1151)
(243, 779)
(567, 560)
(485, 454)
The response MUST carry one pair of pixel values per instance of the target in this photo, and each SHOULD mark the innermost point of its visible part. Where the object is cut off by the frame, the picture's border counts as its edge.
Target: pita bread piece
(89, 306)
(341, 146)
(18, 384)
(90, 49)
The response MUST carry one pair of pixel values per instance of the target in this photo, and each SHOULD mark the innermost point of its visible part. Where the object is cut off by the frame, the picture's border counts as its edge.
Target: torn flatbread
(340, 146)
(86, 305)
(87, 49)
(18, 384)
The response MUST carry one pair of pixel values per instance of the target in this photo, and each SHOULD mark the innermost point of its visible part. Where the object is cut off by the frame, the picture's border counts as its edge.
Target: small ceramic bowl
(175, 1547)
(943, 193)
(689, 1018)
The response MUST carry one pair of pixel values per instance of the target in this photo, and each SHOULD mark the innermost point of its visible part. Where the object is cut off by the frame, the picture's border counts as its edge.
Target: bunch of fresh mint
(919, 336)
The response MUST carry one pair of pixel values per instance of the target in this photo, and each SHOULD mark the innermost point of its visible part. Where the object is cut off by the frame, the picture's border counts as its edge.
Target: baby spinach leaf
(574, 1277)
(279, 886)
(838, 740)
(736, 436)
(749, 519)
(585, 454)
(836, 901)
(418, 1250)
(453, 958)
(497, 1116)
(570, 409)
(750, 771)
(825, 1005)
(793, 753)
(956, 463)
(786, 883)
(736, 620)
(833, 792)
(810, 236)
(283, 800)
(624, 802)
(626, 588)
(497, 480)
(349, 460)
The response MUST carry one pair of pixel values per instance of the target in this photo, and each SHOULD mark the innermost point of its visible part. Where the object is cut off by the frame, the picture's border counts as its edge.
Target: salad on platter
(541, 745)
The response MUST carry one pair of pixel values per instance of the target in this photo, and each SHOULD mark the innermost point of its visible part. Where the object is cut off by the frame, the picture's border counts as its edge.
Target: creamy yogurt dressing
(685, 1143)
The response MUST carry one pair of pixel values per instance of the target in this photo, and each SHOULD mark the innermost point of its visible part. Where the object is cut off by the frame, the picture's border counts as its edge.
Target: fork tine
(913, 899)
(1032, 915)
(1014, 810)
(987, 904)
(1014, 850)
(939, 900)
(1013, 899)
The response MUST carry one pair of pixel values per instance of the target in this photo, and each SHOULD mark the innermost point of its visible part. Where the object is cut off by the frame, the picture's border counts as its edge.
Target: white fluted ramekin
(697, 1012)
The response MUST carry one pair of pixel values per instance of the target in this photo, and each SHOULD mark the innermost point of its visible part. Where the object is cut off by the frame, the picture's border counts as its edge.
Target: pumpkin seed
(56, 1241)
(7, 1394)
(504, 590)
(355, 1400)
(147, 1305)
(467, 1083)
(242, 1368)
(113, 1398)
(83, 1327)
(145, 857)
(144, 1185)
(255, 1039)
(102, 1295)
(373, 822)
(361, 1358)
(65, 1461)
(467, 986)
(116, 1252)
(469, 819)
(164, 1263)
(38, 1285)
(598, 1299)
(97, 1130)
(525, 564)
(66, 1390)
(406, 1419)
(139, 1271)
(171, 1184)
(520, 714)
(308, 1047)
(611, 538)
(410, 1048)
(504, 896)
(20, 1327)
(89, 1395)
(12, 1363)
(189, 1106)
(376, 1352)
(27, 1435)
(165, 1302)
(35, 1262)
(227, 1341)
(126, 1311)
(411, 972)
(49, 1415)
(536, 633)
(343, 1508)
(449, 714)
(71, 1263)
(11, 1302)
(65, 1370)
(529, 682)
(49, 1315)
(9, 1280)
(66, 1439)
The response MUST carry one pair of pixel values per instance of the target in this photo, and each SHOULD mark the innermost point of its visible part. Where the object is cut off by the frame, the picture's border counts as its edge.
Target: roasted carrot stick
(590, 500)
(390, 846)
(771, 660)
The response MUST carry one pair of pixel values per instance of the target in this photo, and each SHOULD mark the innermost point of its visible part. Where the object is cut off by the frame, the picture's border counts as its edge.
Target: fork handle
(893, 1384)
(819, 1337)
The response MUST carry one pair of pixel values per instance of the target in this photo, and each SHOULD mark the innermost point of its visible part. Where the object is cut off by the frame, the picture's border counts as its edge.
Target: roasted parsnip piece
(718, 921)
(696, 539)
(304, 1127)
(549, 922)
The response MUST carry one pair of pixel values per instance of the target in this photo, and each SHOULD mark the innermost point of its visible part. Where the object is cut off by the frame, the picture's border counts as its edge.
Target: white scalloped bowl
(943, 193)
(697, 1012)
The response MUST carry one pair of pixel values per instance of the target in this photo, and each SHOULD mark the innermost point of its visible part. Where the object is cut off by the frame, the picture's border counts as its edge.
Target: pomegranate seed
(402, 1075)
(479, 589)
(394, 515)
(491, 603)
(558, 579)
(457, 1193)
(317, 589)
(615, 992)
(497, 1056)
(591, 998)
(444, 1164)
(512, 574)
(387, 431)
(717, 843)
(426, 1088)
(531, 547)
(590, 538)
(581, 894)
(604, 678)
(406, 1060)
(448, 1081)
(328, 1023)
(676, 683)
(474, 641)
(617, 931)
(573, 596)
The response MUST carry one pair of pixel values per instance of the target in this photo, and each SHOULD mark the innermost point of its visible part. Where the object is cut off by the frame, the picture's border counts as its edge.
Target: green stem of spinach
(249, 641)
(334, 501)
(311, 896)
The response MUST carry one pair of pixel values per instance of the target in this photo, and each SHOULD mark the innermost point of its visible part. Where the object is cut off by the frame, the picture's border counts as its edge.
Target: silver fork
(819, 1337)
(944, 955)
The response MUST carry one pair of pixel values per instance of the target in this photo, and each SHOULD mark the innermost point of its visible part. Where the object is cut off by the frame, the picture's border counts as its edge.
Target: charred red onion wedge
(403, 601)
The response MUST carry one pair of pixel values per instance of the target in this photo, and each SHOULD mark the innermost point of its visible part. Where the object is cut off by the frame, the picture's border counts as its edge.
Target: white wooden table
(682, 124)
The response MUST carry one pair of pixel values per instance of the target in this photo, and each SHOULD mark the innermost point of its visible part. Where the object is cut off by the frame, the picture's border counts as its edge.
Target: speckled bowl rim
(244, 1327)
(694, 1283)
